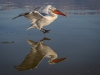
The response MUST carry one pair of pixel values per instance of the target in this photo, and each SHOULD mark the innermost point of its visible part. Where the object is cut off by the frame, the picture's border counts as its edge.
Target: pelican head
(55, 11)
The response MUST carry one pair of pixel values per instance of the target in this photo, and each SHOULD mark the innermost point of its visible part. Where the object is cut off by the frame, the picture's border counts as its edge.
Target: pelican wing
(45, 9)
(37, 14)
(31, 61)
(33, 16)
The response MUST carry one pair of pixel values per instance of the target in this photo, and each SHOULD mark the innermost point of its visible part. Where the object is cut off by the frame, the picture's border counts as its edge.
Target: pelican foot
(46, 31)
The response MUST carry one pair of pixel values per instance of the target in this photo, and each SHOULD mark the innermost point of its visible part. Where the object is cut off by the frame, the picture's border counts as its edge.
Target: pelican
(38, 51)
(42, 16)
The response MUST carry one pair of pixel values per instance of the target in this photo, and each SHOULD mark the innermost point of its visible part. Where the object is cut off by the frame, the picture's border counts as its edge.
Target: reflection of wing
(31, 61)
(31, 42)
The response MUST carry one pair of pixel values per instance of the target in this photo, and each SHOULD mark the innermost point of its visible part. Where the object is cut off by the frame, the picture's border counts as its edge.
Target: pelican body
(42, 16)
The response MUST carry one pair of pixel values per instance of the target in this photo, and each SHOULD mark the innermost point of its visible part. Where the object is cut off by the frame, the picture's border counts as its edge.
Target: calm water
(76, 38)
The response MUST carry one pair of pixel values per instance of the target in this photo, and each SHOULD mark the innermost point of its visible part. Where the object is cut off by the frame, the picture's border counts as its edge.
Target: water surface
(77, 38)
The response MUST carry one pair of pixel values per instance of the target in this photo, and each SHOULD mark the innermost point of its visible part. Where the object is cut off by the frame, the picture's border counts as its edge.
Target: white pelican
(42, 16)
(36, 55)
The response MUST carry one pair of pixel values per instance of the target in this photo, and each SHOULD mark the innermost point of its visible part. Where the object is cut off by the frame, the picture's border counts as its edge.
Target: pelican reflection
(39, 50)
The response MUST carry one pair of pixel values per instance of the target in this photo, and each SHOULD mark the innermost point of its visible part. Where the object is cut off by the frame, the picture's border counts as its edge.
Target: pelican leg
(42, 30)
(45, 31)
